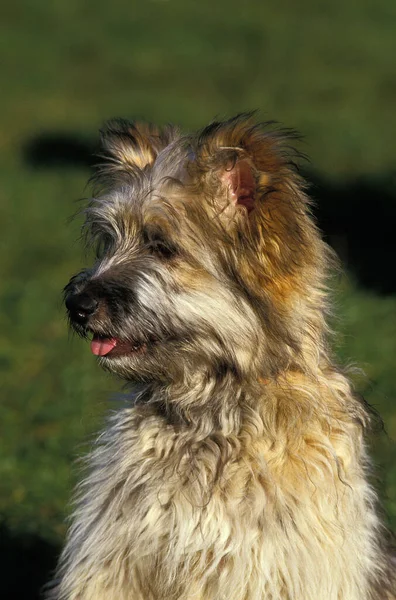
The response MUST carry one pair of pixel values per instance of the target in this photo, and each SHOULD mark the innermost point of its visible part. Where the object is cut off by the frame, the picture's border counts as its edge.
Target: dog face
(207, 259)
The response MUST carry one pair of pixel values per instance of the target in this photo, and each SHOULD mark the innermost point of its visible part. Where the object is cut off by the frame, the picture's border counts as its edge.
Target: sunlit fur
(236, 467)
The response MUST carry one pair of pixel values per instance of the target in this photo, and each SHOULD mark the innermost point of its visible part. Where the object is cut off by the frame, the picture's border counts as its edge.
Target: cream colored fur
(236, 469)
(292, 517)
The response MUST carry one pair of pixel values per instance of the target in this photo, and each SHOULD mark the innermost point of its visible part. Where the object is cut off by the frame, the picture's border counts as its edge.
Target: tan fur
(237, 468)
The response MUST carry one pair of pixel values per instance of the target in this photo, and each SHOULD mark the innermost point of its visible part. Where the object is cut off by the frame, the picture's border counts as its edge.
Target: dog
(236, 467)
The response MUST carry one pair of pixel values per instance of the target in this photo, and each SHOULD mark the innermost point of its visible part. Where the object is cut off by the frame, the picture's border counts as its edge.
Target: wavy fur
(236, 468)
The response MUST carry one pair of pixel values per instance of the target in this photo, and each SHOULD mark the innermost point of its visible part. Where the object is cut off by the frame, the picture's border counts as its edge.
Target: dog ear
(251, 161)
(241, 182)
(129, 147)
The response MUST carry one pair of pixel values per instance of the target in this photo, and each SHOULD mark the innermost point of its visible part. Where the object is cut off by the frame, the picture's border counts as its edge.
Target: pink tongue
(102, 346)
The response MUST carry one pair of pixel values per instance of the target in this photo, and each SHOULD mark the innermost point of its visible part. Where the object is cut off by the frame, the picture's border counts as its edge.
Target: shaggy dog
(236, 468)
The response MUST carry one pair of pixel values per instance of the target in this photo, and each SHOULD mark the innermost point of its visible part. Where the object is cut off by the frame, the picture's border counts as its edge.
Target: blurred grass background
(325, 68)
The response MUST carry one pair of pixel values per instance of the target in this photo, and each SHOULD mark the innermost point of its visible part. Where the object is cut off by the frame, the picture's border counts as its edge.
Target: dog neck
(204, 403)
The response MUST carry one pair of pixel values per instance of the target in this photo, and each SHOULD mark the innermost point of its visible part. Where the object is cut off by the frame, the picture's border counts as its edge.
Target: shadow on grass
(57, 150)
(27, 564)
(357, 216)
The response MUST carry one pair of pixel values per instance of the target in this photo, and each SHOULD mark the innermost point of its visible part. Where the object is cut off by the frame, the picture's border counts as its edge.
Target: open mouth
(112, 347)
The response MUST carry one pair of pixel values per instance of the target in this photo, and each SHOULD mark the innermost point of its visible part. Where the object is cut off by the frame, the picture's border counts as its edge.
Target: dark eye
(162, 249)
(159, 246)
(104, 245)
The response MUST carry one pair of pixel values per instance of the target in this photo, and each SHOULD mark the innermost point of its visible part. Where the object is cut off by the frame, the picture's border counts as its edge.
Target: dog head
(207, 258)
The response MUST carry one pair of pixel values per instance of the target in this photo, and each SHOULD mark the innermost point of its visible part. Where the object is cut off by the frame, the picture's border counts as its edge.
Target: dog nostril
(81, 306)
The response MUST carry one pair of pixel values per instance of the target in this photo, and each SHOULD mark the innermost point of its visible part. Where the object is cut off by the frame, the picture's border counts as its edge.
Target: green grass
(325, 68)
(368, 341)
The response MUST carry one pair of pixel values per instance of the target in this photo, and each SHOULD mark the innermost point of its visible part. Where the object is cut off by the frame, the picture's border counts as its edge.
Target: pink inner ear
(241, 181)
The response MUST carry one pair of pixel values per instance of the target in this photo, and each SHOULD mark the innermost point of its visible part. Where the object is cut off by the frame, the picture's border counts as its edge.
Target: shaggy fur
(236, 468)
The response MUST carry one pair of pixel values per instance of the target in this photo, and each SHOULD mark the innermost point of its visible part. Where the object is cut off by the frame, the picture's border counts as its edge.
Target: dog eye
(162, 249)
(158, 245)
(104, 246)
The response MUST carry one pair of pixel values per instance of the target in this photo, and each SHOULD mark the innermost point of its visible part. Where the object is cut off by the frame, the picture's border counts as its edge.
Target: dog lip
(100, 346)
(110, 347)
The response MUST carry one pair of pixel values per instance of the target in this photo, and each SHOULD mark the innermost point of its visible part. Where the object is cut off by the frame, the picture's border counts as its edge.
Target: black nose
(81, 307)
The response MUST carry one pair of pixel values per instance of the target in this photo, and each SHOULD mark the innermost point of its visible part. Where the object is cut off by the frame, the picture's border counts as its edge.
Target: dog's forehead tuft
(171, 162)
(147, 186)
